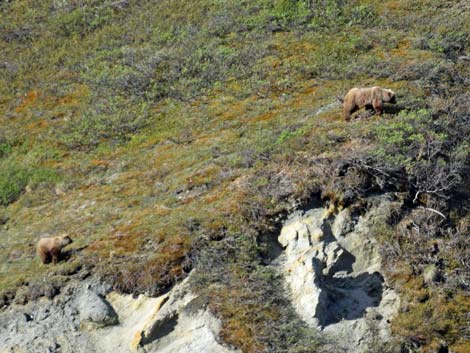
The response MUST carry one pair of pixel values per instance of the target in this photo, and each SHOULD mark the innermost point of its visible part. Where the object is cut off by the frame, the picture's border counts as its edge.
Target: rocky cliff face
(332, 268)
(86, 319)
(331, 265)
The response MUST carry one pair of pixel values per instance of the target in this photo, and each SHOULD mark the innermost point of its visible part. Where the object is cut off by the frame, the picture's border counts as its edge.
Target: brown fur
(370, 98)
(50, 248)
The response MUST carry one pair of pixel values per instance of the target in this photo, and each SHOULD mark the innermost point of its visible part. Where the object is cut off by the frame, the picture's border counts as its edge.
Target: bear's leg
(55, 256)
(354, 109)
(377, 104)
(348, 111)
(44, 257)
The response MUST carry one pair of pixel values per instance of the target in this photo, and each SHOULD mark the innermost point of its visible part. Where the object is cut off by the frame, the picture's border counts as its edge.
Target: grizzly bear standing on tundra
(50, 248)
(370, 98)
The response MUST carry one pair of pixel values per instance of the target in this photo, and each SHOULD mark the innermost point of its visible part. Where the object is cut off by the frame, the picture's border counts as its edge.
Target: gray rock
(342, 224)
(80, 320)
(95, 311)
(44, 325)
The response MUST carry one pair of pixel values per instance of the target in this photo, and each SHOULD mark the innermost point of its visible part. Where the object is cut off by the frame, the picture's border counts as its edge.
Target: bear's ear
(392, 98)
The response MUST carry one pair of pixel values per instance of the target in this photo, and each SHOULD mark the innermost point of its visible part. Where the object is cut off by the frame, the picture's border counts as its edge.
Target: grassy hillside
(166, 135)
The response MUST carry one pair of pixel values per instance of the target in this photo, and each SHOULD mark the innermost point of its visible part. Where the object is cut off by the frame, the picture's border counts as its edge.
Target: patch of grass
(286, 135)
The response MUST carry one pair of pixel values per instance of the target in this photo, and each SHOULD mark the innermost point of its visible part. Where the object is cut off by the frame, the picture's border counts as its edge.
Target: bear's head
(66, 240)
(389, 96)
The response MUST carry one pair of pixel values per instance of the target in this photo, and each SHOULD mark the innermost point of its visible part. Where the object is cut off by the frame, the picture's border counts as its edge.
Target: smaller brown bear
(370, 98)
(50, 248)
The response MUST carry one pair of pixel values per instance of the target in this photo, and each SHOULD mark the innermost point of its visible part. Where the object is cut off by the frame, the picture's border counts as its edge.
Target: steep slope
(175, 136)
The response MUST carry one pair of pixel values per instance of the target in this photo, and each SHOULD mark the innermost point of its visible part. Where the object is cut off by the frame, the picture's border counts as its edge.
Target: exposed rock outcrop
(332, 268)
(192, 332)
(84, 319)
(166, 324)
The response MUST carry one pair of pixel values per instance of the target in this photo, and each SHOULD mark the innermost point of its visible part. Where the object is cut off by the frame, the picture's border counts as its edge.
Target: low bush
(5, 149)
(14, 177)
(13, 180)
(83, 20)
(107, 121)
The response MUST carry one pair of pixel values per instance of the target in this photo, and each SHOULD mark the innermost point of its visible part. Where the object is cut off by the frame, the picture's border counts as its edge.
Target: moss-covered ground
(166, 135)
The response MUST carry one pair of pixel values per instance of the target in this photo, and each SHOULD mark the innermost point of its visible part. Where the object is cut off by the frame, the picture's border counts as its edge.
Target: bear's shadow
(393, 109)
(369, 112)
(345, 297)
(66, 255)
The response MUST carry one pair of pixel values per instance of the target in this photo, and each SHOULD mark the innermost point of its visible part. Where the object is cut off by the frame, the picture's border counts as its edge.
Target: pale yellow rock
(150, 320)
(317, 235)
(135, 343)
(330, 210)
(141, 318)
(134, 314)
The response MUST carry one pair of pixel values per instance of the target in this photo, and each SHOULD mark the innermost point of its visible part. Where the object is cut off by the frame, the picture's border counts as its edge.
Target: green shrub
(39, 176)
(5, 149)
(107, 121)
(81, 21)
(14, 177)
(430, 152)
(13, 180)
(332, 14)
(287, 135)
(364, 15)
(5, 144)
(291, 9)
(402, 141)
(449, 41)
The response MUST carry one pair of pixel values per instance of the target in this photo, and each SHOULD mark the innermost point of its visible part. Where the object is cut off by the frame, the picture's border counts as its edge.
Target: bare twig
(116, 3)
(416, 228)
(366, 166)
(416, 196)
(433, 210)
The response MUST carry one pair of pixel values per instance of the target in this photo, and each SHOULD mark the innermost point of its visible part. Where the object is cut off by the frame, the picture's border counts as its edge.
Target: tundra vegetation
(170, 135)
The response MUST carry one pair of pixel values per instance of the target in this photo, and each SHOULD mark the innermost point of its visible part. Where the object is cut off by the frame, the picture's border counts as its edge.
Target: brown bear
(370, 98)
(50, 248)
